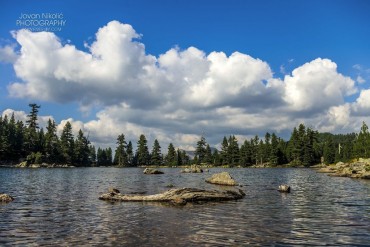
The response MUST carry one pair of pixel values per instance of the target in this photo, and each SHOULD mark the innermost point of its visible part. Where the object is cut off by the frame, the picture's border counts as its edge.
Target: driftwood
(178, 196)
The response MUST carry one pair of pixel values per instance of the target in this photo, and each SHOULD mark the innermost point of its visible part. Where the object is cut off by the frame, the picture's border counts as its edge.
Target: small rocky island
(223, 178)
(357, 169)
(176, 196)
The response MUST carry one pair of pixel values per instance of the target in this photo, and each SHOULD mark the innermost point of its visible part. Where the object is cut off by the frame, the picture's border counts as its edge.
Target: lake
(61, 207)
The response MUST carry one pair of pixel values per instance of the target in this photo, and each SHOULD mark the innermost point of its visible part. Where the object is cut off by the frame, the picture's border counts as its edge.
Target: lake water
(60, 207)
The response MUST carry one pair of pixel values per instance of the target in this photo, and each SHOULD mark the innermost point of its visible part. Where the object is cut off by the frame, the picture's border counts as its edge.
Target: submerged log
(178, 196)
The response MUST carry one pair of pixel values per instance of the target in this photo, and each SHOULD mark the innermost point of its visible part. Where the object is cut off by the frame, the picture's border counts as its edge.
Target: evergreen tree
(245, 154)
(208, 156)
(274, 151)
(179, 161)
(92, 155)
(82, 150)
(216, 158)
(142, 152)
(171, 157)
(67, 143)
(329, 150)
(233, 151)
(32, 129)
(130, 154)
(156, 156)
(267, 147)
(225, 159)
(120, 156)
(109, 153)
(362, 143)
(200, 151)
(52, 147)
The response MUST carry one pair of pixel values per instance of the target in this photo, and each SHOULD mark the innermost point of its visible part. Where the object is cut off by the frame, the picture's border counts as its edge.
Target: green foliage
(120, 156)
(142, 152)
(156, 155)
(201, 150)
(171, 157)
(19, 141)
(361, 147)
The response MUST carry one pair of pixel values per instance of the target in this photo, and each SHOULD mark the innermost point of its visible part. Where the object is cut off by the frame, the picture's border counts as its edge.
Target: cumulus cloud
(180, 94)
(7, 54)
(317, 85)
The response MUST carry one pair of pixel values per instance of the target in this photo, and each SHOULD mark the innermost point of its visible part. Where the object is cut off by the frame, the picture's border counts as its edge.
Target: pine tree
(216, 158)
(225, 159)
(52, 147)
(362, 143)
(120, 156)
(273, 156)
(92, 155)
(142, 152)
(156, 156)
(130, 154)
(200, 151)
(32, 128)
(67, 143)
(82, 150)
(245, 154)
(109, 153)
(267, 147)
(329, 150)
(171, 157)
(233, 151)
(208, 156)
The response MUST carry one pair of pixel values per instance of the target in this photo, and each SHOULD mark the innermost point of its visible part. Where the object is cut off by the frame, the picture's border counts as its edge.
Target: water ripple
(59, 207)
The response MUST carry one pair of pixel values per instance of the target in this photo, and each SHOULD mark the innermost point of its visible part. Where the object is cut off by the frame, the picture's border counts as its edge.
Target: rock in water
(113, 190)
(6, 198)
(284, 188)
(179, 196)
(152, 171)
(223, 178)
(192, 169)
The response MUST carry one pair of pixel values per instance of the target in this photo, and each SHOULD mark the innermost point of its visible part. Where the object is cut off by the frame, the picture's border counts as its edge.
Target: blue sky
(277, 36)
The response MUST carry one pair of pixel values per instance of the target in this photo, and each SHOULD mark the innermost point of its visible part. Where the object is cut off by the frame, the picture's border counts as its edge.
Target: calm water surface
(60, 207)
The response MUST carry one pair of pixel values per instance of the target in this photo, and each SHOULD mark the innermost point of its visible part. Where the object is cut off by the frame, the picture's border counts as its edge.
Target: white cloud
(180, 94)
(317, 86)
(22, 116)
(7, 54)
(360, 80)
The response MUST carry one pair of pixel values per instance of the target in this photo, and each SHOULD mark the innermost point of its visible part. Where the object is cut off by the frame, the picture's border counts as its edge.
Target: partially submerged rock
(193, 169)
(284, 188)
(358, 169)
(178, 196)
(223, 178)
(152, 171)
(6, 198)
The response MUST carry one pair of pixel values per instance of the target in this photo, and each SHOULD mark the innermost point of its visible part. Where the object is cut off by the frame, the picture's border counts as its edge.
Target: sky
(176, 70)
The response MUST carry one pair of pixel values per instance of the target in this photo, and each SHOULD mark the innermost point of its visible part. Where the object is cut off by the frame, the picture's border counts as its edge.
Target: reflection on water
(60, 207)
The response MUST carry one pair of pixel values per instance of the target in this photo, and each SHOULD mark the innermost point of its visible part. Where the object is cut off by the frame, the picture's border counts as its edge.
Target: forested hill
(21, 141)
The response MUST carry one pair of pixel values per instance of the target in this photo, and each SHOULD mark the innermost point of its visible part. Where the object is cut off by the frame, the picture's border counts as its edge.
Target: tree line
(305, 147)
